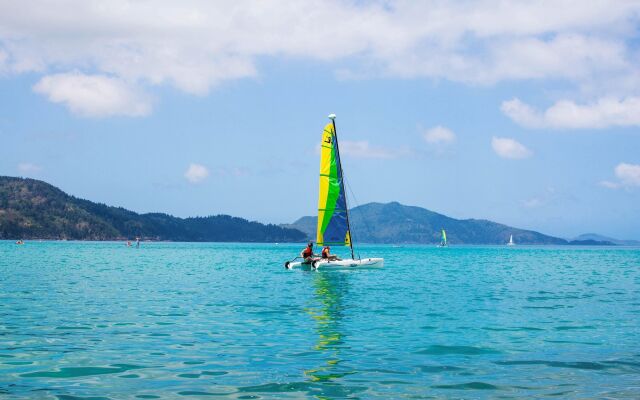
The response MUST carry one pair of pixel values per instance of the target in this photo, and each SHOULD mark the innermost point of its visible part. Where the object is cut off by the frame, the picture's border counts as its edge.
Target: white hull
(339, 264)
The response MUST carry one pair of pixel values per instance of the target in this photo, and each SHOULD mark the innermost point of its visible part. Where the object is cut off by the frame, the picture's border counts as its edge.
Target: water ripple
(182, 320)
(464, 350)
(74, 372)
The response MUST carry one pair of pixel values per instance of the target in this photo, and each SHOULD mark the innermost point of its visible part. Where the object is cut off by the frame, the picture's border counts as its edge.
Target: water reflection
(331, 289)
(327, 308)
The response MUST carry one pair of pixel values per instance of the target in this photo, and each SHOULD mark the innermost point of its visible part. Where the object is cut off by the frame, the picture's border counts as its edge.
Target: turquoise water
(182, 320)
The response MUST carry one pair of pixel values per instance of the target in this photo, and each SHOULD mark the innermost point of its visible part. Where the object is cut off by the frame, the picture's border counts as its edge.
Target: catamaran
(511, 243)
(443, 241)
(333, 227)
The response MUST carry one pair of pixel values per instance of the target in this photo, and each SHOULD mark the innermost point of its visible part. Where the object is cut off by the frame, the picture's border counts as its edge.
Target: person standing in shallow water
(307, 253)
(137, 242)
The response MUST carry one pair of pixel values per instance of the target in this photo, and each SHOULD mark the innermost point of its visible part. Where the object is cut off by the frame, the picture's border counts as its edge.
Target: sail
(444, 236)
(333, 228)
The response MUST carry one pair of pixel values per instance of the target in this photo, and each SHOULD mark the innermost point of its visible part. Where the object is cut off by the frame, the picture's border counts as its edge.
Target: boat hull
(362, 263)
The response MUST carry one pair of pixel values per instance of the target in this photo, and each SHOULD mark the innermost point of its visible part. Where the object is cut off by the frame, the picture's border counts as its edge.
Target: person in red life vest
(307, 253)
(327, 255)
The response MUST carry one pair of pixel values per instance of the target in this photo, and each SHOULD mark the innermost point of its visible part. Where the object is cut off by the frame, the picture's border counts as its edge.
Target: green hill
(32, 209)
(397, 223)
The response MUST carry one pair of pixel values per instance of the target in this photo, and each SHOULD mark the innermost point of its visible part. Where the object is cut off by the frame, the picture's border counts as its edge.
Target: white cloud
(439, 135)
(610, 185)
(509, 148)
(605, 113)
(521, 113)
(3, 60)
(93, 95)
(550, 195)
(628, 176)
(533, 202)
(362, 149)
(196, 173)
(194, 45)
(27, 168)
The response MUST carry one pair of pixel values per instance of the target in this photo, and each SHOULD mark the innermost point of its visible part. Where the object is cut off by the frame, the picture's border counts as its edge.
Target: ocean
(99, 320)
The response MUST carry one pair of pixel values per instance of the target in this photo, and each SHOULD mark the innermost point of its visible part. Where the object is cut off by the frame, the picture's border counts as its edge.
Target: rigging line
(341, 174)
(364, 220)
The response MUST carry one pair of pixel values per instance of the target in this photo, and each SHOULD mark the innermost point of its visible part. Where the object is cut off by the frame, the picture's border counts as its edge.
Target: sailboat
(333, 215)
(511, 243)
(443, 241)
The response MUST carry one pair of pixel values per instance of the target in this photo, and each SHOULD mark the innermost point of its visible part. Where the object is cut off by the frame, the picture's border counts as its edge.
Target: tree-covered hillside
(397, 223)
(32, 209)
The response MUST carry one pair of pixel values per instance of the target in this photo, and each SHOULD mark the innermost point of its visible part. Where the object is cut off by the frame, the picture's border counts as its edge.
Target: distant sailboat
(443, 240)
(333, 214)
(511, 243)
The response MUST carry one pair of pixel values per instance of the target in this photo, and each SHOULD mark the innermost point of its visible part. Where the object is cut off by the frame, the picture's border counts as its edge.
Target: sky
(525, 113)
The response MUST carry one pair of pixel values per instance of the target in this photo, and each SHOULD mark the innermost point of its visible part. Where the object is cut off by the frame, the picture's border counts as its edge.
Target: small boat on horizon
(443, 240)
(511, 242)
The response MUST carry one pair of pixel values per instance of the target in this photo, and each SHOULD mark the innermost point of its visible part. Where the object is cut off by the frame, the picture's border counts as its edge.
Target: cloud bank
(194, 45)
(604, 113)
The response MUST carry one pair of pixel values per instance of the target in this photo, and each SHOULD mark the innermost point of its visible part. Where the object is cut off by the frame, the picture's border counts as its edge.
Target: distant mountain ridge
(397, 223)
(601, 238)
(32, 209)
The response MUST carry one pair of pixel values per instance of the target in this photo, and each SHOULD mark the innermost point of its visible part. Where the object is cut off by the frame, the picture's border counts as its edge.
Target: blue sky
(526, 114)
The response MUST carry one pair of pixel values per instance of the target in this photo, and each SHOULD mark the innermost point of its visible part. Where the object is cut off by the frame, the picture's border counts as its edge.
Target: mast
(335, 133)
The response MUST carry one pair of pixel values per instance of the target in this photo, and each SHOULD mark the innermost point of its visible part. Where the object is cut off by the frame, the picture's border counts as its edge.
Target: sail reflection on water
(330, 290)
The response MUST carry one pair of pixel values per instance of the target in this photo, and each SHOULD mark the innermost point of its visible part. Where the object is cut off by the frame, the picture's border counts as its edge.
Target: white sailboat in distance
(333, 214)
(511, 243)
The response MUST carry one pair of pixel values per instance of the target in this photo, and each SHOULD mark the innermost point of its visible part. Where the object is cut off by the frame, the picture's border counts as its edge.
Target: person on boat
(326, 254)
(307, 253)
